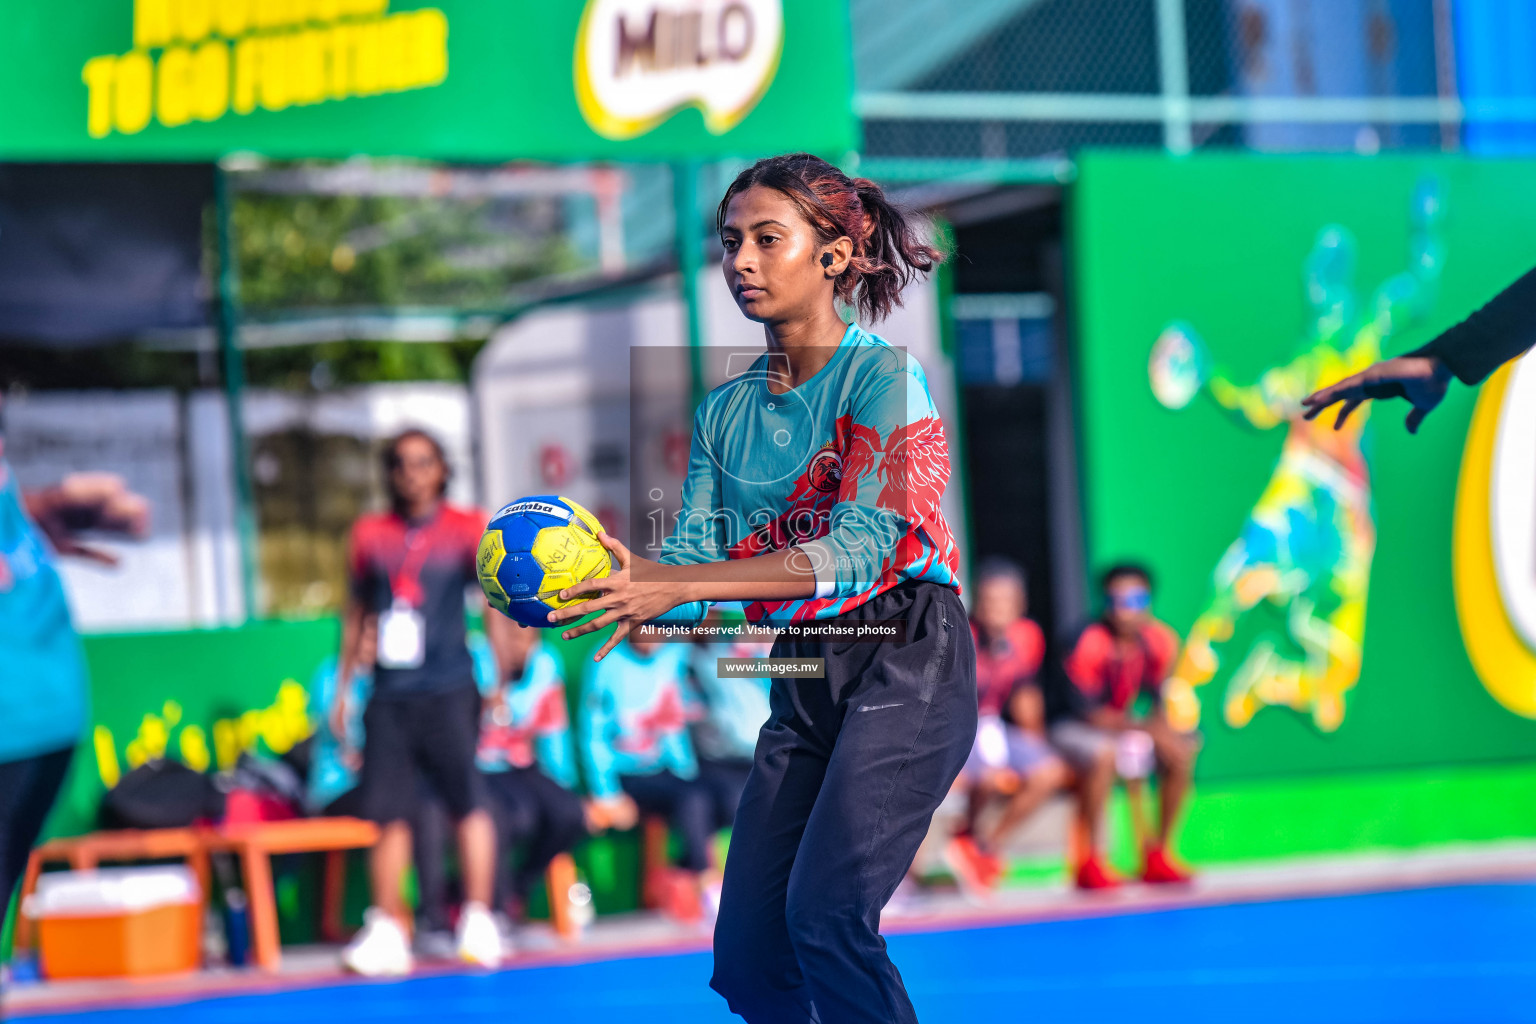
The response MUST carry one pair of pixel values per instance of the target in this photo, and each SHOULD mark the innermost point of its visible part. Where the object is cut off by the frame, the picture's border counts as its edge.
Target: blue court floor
(1459, 953)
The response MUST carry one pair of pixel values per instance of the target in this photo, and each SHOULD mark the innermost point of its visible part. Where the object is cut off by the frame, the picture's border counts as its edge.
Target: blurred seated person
(529, 763)
(1114, 717)
(409, 569)
(733, 710)
(638, 755)
(1011, 763)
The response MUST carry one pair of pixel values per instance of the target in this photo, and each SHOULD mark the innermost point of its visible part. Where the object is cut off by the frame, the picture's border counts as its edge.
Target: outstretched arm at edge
(1469, 351)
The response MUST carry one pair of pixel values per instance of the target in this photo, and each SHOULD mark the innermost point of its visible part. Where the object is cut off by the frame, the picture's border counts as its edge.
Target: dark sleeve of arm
(1495, 334)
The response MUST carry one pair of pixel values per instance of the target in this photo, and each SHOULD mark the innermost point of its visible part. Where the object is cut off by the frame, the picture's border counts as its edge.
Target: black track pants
(847, 775)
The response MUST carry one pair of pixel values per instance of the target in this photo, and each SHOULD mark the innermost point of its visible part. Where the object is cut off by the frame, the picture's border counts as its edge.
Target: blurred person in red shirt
(409, 570)
(1012, 761)
(1113, 716)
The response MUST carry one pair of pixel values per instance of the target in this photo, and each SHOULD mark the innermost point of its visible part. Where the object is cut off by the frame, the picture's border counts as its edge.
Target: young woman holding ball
(813, 493)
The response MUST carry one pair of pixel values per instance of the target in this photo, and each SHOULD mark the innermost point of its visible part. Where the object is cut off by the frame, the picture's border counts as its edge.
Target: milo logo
(638, 62)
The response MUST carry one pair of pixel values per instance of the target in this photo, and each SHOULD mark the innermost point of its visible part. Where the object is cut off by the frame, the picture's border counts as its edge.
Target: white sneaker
(479, 939)
(380, 949)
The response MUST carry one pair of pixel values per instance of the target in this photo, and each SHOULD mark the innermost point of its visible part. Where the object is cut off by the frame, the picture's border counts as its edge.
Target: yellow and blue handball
(533, 549)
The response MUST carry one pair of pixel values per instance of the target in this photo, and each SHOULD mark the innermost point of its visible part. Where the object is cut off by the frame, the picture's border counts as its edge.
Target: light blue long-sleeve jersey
(43, 682)
(329, 774)
(634, 717)
(734, 708)
(850, 466)
(536, 728)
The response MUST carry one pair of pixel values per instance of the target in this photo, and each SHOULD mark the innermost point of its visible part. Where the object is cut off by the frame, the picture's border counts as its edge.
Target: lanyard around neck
(405, 583)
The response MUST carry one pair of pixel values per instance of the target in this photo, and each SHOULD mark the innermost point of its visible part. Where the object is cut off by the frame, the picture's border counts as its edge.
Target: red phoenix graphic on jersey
(910, 467)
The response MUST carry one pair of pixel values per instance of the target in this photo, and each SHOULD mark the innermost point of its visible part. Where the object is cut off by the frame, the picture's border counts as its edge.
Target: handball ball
(533, 549)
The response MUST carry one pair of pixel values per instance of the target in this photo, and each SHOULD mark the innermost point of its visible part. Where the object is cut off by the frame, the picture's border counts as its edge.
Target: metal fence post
(1173, 72)
(234, 385)
(690, 260)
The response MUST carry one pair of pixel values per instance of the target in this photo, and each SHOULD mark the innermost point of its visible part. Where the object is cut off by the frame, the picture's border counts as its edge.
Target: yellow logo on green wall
(1494, 541)
(638, 62)
(200, 60)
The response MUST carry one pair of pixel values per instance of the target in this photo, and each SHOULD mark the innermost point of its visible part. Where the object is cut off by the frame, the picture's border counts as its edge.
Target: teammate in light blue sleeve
(639, 757)
(331, 788)
(734, 711)
(43, 681)
(528, 757)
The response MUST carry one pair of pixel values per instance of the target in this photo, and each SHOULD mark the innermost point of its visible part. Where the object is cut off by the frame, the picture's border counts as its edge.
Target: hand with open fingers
(620, 598)
(1423, 380)
(88, 501)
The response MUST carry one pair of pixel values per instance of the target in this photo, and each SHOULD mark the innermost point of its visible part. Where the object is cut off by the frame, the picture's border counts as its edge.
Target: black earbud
(826, 259)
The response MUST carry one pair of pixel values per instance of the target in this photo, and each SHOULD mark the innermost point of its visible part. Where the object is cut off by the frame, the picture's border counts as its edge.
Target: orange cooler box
(117, 922)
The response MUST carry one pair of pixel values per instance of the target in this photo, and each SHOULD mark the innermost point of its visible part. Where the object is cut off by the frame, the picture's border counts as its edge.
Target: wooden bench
(254, 844)
(655, 860)
(85, 853)
(663, 887)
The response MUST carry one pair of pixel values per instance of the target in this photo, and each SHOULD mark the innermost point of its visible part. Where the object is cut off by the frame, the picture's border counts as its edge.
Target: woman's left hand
(621, 598)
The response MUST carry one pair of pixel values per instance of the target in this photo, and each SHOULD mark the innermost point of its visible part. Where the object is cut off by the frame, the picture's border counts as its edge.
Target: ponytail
(893, 252)
(888, 250)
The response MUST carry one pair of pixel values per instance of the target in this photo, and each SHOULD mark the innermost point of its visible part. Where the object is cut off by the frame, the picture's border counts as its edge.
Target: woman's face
(999, 604)
(772, 259)
(416, 473)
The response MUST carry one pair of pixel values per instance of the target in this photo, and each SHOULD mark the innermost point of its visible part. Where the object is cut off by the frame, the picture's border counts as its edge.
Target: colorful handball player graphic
(1306, 547)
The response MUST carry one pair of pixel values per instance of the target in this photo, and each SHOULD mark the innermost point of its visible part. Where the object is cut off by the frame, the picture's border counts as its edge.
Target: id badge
(402, 637)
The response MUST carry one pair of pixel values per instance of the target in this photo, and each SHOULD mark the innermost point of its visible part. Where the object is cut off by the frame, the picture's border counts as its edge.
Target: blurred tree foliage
(337, 363)
(109, 366)
(296, 367)
(320, 250)
(300, 253)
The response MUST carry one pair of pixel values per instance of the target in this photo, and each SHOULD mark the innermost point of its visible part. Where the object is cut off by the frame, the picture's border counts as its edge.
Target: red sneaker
(680, 896)
(974, 870)
(994, 868)
(1161, 870)
(1093, 874)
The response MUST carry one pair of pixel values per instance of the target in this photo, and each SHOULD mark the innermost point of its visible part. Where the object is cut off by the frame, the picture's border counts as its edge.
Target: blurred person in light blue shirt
(734, 710)
(529, 760)
(638, 753)
(332, 784)
(44, 702)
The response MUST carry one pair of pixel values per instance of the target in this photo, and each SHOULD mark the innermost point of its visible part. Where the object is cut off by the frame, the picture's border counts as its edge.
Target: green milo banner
(1349, 599)
(445, 79)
